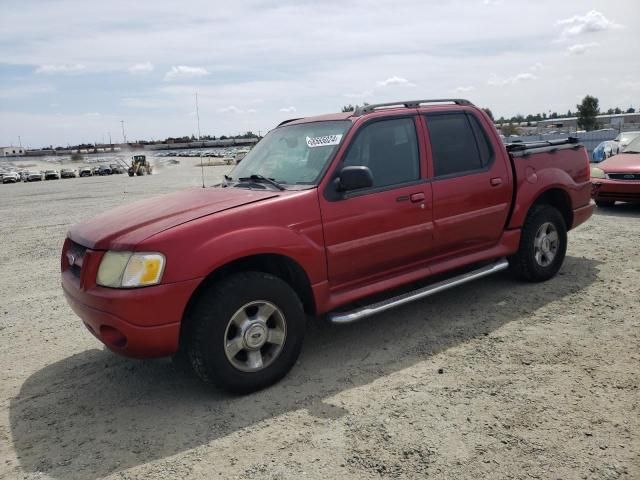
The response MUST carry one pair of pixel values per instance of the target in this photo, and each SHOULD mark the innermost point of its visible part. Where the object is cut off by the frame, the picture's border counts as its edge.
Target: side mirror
(354, 177)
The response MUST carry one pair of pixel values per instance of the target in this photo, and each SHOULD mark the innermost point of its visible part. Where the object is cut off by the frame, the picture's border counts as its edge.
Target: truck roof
(360, 111)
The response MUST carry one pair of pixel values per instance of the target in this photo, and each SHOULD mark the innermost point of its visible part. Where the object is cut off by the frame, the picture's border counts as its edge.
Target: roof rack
(288, 121)
(407, 104)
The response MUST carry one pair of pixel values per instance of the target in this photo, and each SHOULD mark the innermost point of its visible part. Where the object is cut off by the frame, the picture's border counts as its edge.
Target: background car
(85, 172)
(51, 175)
(604, 150)
(67, 173)
(116, 169)
(617, 179)
(11, 177)
(33, 176)
(625, 138)
(104, 170)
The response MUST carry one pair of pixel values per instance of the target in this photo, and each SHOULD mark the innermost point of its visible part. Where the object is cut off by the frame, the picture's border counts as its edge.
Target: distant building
(11, 151)
(619, 121)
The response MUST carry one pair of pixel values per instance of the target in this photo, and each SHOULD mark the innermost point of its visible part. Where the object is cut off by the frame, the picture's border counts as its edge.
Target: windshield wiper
(259, 178)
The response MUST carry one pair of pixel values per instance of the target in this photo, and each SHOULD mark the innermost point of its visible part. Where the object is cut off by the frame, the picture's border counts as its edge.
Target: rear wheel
(605, 203)
(246, 332)
(543, 245)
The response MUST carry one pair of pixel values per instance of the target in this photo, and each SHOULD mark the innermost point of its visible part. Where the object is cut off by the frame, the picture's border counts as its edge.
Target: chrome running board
(378, 307)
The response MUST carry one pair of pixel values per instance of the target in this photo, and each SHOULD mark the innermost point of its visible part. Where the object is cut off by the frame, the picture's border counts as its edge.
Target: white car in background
(11, 177)
(625, 138)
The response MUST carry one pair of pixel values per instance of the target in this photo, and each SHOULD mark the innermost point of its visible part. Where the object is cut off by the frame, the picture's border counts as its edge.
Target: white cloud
(395, 81)
(183, 71)
(537, 67)
(520, 77)
(92, 114)
(145, 67)
(252, 110)
(581, 48)
(464, 89)
(288, 109)
(61, 69)
(593, 21)
(230, 108)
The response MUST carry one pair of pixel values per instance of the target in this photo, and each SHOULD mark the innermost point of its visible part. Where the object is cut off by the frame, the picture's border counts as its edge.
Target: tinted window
(453, 144)
(486, 152)
(390, 149)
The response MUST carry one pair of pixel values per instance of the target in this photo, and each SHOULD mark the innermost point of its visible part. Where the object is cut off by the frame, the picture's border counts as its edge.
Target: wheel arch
(278, 265)
(559, 199)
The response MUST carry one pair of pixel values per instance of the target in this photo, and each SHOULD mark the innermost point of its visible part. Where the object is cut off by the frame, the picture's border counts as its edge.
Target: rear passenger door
(471, 184)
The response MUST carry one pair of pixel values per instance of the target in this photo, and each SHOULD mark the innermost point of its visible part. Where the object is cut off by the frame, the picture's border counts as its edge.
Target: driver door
(372, 232)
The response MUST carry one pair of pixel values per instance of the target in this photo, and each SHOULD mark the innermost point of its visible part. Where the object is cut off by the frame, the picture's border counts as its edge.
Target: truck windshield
(295, 154)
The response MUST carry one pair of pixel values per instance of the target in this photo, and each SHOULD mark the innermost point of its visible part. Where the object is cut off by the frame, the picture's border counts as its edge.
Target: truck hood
(621, 163)
(126, 226)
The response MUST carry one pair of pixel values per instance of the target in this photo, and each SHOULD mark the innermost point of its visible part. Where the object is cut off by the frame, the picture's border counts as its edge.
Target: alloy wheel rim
(546, 243)
(255, 336)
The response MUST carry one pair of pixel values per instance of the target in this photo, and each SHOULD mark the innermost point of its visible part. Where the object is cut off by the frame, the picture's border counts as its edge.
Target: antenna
(198, 117)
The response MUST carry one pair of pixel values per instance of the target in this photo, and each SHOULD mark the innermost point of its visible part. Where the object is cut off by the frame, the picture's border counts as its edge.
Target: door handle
(417, 197)
(496, 181)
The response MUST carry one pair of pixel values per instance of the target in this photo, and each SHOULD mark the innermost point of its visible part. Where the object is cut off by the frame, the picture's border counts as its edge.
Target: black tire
(208, 330)
(524, 263)
(605, 203)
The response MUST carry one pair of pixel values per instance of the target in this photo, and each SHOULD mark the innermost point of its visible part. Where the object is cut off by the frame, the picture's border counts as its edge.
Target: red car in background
(617, 179)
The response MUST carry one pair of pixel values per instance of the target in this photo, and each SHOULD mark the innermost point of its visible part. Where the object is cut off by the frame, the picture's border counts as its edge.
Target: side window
(453, 144)
(486, 152)
(390, 149)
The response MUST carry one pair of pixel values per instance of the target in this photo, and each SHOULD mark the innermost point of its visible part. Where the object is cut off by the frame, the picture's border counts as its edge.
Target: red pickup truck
(323, 212)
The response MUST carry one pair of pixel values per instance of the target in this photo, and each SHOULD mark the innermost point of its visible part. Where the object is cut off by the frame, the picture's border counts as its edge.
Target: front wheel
(543, 245)
(245, 332)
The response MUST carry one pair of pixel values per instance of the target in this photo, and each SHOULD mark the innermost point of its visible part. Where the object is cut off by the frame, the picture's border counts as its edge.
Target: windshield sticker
(325, 141)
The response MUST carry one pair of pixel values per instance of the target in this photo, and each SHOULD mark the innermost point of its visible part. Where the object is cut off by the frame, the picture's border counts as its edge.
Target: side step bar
(375, 308)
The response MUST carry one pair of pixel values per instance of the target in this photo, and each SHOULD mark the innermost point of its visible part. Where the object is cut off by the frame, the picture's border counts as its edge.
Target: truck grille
(75, 258)
(624, 176)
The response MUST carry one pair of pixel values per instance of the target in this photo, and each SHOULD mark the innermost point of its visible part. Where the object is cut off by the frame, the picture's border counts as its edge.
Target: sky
(71, 71)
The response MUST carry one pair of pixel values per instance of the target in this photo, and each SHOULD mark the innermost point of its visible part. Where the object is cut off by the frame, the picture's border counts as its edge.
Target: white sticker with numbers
(325, 141)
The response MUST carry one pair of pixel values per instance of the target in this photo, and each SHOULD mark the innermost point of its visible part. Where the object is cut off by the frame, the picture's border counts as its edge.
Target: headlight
(128, 269)
(597, 173)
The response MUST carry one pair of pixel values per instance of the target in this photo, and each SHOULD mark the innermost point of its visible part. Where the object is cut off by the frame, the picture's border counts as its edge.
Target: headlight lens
(597, 173)
(128, 269)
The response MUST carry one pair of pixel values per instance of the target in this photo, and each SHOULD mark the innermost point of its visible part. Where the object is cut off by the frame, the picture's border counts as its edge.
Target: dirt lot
(497, 379)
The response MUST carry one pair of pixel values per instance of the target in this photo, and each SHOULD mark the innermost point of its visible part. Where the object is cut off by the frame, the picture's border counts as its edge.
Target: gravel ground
(495, 379)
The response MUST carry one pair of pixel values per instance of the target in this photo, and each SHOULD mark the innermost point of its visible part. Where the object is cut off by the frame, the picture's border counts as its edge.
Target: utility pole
(19, 141)
(124, 136)
(198, 116)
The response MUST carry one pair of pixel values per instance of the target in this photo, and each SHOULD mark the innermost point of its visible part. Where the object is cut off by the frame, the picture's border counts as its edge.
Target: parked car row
(39, 175)
(609, 148)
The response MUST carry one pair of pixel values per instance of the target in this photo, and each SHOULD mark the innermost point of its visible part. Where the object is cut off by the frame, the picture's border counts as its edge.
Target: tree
(490, 113)
(631, 110)
(588, 110)
(348, 108)
(617, 111)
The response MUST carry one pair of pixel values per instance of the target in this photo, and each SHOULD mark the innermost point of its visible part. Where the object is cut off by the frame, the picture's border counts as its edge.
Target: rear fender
(534, 184)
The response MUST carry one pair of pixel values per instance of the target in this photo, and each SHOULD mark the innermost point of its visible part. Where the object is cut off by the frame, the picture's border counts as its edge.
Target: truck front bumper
(135, 322)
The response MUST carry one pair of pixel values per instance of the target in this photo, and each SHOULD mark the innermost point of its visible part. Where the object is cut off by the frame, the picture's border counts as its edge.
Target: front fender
(243, 243)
